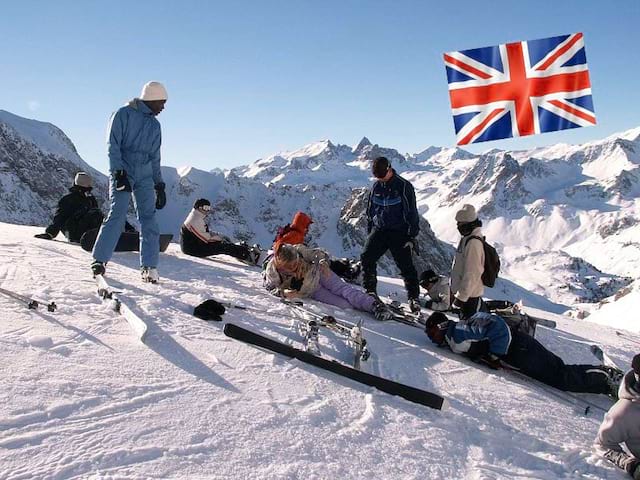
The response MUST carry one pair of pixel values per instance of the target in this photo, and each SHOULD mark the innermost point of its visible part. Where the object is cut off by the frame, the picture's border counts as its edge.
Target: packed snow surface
(82, 398)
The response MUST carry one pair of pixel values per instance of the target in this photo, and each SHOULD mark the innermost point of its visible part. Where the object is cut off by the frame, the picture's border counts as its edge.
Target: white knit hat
(83, 179)
(466, 214)
(153, 91)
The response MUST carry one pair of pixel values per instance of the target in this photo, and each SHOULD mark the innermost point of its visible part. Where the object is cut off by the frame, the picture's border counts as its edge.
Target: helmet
(201, 202)
(436, 326)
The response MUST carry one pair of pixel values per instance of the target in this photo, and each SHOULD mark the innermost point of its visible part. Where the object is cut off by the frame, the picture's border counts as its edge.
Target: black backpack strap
(482, 239)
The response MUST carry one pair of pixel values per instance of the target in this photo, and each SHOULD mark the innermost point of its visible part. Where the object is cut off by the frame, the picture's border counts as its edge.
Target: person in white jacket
(621, 425)
(198, 241)
(438, 290)
(468, 264)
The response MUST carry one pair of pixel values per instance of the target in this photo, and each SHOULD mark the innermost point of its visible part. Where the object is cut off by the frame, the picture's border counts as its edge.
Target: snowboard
(128, 242)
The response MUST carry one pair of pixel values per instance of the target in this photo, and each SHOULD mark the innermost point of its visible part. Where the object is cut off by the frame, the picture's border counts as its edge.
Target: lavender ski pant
(335, 291)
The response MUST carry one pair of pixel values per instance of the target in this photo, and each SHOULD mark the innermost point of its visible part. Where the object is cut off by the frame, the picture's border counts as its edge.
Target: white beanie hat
(466, 214)
(153, 91)
(83, 179)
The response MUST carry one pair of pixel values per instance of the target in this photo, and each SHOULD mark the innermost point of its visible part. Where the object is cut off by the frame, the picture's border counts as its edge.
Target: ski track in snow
(83, 399)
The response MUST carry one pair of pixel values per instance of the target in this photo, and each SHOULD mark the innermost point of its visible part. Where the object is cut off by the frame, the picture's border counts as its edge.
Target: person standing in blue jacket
(392, 224)
(134, 140)
(487, 337)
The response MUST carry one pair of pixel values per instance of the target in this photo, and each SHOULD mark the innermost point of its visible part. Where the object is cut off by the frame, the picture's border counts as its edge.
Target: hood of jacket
(301, 222)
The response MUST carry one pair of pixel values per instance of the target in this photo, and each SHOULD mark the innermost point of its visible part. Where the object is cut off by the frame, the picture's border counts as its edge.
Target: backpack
(516, 319)
(491, 262)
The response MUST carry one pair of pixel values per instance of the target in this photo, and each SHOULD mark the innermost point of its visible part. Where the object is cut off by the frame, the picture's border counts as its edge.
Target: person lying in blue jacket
(487, 337)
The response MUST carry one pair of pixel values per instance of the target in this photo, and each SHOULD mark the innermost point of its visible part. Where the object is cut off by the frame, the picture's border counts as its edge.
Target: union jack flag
(519, 89)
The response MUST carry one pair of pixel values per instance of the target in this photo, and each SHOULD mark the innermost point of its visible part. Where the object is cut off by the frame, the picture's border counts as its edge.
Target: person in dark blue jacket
(486, 337)
(392, 224)
(134, 164)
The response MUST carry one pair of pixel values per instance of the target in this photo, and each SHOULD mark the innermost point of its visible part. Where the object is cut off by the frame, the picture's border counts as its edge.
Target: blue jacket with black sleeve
(392, 206)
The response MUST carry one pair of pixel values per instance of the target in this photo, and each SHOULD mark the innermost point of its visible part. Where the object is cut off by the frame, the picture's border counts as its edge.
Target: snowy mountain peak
(361, 145)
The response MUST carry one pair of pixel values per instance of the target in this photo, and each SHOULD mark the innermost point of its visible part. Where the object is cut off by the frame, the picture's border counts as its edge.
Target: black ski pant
(205, 249)
(471, 306)
(532, 358)
(377, 244)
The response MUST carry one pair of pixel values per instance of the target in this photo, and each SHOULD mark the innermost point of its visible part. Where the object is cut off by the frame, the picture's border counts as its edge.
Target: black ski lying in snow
(31, 303)
(107, 293)
(407, 392)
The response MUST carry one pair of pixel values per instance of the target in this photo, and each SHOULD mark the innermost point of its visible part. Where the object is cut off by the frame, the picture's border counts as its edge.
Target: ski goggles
(205, 208)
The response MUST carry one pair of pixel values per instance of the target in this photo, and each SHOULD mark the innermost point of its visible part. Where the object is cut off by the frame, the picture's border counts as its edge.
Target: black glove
(44, 236)
(296, 284)
(161, 197)
(122, 182)
(457, 302)
(412, 243)
(428, 304)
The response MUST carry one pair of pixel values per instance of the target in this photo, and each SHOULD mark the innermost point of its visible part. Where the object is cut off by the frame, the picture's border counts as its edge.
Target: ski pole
(31, 303)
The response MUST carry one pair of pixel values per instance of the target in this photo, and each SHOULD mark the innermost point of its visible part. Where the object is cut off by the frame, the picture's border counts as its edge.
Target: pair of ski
(310, 330)
(30, 302)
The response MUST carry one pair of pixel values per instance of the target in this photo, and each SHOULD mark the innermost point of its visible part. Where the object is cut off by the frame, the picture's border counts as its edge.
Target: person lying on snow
(295, 232)
(297, 271)
(77, 212)
(621, 425)
(486, 337)
(196, 239)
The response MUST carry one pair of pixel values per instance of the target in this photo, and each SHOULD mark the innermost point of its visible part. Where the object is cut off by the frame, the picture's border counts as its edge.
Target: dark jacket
(392, 206)
(77, 212)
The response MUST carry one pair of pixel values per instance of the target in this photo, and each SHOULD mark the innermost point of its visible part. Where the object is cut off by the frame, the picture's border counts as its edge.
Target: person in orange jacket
(295, 233)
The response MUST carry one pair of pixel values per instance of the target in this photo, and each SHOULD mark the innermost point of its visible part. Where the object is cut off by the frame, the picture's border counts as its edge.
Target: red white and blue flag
(519, 89)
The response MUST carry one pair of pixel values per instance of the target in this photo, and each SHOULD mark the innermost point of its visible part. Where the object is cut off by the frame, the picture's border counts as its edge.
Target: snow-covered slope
(81, 398)
(37, 166)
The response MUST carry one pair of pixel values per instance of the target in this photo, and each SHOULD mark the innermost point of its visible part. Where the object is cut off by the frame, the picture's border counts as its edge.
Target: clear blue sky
(248, 79)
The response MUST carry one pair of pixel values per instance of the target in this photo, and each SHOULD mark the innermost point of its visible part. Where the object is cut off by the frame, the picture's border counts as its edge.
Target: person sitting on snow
(295, 233)
(297, 271)
(621, 425)
(486, 337)
(438, 290)
(77, 211)
(196, 239)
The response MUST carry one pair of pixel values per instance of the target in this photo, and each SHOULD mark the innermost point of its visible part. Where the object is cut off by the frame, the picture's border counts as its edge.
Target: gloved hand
(412, 244)
(296, 283)
(122, 182)
(457, 303)
(428, 304)
(161, 197)
(44, 236)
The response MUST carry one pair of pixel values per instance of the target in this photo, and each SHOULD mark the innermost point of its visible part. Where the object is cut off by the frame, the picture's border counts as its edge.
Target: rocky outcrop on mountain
(37, 165)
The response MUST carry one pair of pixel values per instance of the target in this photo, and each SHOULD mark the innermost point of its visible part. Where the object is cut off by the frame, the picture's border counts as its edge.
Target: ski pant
(205, 249)
(335, 291)
(377, 244)
(471, 306)
(531, 357)
(144, 198)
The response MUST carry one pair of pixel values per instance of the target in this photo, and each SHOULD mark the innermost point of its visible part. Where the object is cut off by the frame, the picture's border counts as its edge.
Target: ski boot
(97, 268)
(381, 311)
(149, 275)
(414, 305)
(614, 379)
